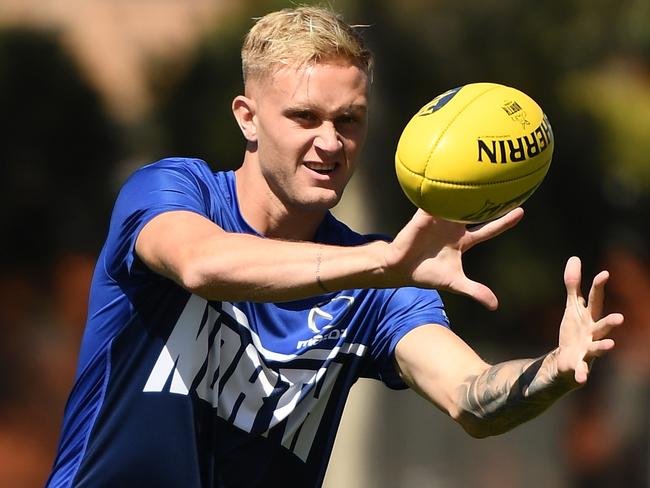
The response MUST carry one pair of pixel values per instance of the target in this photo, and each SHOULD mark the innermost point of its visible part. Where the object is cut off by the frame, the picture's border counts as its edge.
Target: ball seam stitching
(473, 185)
(449, 124)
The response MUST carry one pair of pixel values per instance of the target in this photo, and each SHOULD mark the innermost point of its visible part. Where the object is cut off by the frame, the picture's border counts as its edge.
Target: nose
(328, 139)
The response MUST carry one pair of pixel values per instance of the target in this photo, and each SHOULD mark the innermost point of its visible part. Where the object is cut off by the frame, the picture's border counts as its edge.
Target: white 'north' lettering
(235, 376)
(305, 418)
(188, 340)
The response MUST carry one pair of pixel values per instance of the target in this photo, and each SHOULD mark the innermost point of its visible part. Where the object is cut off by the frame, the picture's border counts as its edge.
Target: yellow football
(474, 152)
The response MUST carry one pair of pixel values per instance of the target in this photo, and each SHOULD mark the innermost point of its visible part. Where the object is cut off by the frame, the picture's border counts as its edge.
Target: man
(230, 313)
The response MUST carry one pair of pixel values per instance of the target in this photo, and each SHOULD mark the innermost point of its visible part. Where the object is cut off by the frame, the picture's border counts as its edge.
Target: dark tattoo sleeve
(508, 394)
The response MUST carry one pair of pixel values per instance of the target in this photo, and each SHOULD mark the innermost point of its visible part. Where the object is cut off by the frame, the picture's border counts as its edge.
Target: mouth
(321, 168)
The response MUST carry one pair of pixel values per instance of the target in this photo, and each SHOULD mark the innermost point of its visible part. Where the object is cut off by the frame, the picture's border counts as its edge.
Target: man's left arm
(491, 399)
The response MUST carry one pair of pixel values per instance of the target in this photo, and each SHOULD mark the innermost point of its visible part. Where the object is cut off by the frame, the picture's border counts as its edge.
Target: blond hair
(301, 36)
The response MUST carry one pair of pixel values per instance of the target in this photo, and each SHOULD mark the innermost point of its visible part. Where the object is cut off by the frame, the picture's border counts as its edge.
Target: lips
(321, 168)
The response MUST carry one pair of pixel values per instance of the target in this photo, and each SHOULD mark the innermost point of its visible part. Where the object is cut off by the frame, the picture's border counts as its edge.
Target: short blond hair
(301, 36)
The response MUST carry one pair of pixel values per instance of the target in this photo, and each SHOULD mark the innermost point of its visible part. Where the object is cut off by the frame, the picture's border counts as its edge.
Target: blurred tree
(194, 106)
(194, 112)
(57, 151)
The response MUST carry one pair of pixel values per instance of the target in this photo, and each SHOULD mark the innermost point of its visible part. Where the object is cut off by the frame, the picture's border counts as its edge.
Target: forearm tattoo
(512, 392)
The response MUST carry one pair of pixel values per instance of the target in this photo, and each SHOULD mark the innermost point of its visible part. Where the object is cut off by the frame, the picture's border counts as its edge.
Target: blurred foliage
(195, 114)
(194, 107)
(617, 96)
(58, 147)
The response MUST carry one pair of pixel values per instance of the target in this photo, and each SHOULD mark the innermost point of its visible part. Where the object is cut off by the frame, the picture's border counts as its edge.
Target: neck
(267, 214)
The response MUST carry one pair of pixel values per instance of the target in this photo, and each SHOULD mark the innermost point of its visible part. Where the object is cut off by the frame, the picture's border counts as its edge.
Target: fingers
(581, 372)
(494, 228)
(597, 295)
(598, 348)
(478, 292)
(573, 278)
(605, 325)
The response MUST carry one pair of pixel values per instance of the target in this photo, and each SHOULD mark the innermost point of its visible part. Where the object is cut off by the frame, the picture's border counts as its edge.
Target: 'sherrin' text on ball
(516, 149)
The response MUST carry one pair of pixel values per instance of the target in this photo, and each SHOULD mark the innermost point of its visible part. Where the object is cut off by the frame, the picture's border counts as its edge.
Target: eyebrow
(354, 108)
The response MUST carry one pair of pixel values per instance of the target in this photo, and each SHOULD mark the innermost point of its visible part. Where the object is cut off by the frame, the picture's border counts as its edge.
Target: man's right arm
(215, 264)
(205, 259)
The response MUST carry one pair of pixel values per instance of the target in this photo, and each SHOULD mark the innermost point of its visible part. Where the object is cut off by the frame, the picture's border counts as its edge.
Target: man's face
(311, 123)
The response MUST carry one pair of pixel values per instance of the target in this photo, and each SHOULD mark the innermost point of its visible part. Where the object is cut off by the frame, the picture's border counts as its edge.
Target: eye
(304, 117)
(350, 121)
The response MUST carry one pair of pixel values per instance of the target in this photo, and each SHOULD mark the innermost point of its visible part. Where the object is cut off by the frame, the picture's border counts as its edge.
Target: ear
(243, 108)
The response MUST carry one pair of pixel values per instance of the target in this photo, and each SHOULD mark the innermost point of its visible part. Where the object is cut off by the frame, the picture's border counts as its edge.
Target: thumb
(581, 372)
(572, 277)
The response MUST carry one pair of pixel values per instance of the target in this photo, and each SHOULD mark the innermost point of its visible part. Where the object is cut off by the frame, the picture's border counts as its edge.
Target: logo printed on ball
(491, 208)
(516, 112)
(512, 108)
(439, 102)
(517, 149)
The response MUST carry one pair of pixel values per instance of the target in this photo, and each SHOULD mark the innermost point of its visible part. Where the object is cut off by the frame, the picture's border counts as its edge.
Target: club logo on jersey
(324, 320)
(320, 320)
(215, 354)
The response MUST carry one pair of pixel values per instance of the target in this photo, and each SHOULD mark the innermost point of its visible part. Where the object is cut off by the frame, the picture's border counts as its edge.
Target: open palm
(428, 253)
(583, 330)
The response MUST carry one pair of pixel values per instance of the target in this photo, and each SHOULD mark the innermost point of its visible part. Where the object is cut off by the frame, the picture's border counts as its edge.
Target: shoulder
(166, 185)
(177, 164)
(166, 178)
(168, 171)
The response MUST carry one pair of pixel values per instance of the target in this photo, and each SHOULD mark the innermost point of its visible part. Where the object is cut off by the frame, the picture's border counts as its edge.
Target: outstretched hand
(583, 330)
(428, 253)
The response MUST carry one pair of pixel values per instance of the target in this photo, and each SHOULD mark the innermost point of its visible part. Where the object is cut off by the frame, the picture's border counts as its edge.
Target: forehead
(331, 85)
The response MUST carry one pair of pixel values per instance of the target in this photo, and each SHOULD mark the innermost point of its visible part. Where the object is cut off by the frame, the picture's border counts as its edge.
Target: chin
(325, 201)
